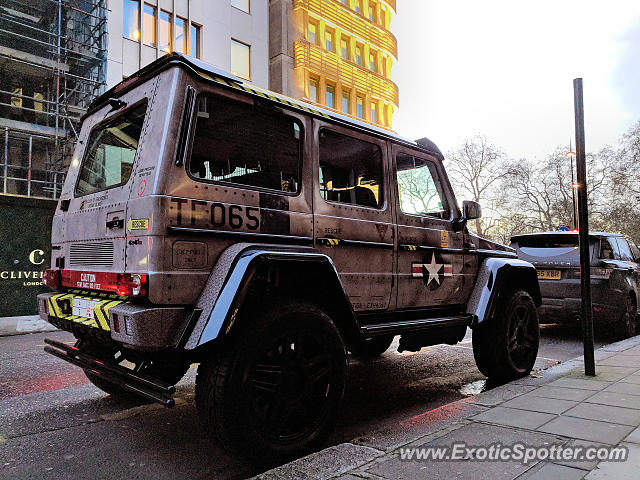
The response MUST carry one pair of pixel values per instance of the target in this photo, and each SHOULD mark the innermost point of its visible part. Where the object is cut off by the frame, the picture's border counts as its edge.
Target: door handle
(115, 223)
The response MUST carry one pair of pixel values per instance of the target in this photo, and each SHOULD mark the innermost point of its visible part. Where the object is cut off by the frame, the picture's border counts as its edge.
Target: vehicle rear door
(352, 213)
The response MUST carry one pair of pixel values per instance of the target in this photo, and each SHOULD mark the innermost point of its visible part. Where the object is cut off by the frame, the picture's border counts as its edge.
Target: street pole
(583, 221)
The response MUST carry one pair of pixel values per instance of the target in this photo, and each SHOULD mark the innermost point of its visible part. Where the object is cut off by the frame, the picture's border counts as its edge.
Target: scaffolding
(53, 56)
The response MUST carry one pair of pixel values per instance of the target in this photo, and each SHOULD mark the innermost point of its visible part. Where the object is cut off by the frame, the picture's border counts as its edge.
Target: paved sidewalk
(562, 407)
(24, 324)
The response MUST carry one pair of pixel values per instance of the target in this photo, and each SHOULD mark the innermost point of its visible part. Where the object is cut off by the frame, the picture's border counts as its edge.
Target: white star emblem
(433, 268)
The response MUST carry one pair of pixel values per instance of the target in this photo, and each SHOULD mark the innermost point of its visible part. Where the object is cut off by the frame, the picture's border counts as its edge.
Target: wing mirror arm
(470, 211)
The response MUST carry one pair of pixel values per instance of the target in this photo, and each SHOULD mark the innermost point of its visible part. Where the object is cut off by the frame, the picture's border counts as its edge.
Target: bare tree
(475, 170)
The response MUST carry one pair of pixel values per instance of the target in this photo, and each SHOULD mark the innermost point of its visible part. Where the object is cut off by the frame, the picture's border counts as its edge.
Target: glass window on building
(241, 5)
(313, 89)
(344, 47)
(350, 170)
(330, 96)
(194, 41)
(240, 59)
(149, 25)
(372, 61)
(360, 107)
(180, 44)
(374, 116)
(131, 20)
(328, 39)
(357, 6)
(346, 101)
(383, 20)
(313, 33)
(359, 54)
(165, 31)
(372, 11)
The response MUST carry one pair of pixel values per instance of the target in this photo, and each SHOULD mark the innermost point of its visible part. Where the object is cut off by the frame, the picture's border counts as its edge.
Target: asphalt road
(54, 424)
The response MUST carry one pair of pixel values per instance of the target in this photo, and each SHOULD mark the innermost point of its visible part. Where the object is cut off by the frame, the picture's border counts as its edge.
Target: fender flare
(224, 293)
(496, 278)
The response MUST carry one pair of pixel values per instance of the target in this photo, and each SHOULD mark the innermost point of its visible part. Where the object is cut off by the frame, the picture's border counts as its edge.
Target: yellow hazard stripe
(100, 311)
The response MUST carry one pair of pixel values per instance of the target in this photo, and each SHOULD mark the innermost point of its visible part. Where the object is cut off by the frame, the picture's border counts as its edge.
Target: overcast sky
(505, 69)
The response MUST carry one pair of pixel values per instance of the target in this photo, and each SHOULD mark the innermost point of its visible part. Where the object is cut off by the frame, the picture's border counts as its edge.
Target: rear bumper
(569, 310)
(145, 328)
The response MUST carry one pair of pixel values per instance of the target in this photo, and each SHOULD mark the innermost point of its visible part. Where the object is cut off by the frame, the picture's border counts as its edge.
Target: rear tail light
(52, 278)
(131, 285)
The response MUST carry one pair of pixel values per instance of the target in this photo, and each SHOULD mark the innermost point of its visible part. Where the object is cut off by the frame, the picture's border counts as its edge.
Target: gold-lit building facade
(336, 53)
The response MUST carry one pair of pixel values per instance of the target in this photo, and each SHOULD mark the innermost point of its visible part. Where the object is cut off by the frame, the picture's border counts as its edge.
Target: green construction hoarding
(25, 251)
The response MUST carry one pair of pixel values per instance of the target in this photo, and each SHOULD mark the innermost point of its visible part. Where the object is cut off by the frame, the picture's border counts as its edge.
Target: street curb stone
(24, 324)
(329, 462)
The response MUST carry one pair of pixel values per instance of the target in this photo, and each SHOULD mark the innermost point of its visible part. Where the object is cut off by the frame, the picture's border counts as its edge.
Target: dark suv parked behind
(615, 277)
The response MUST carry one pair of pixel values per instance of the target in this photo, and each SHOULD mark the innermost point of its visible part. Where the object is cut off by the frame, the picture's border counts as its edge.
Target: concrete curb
(24, 324)
(324, 465)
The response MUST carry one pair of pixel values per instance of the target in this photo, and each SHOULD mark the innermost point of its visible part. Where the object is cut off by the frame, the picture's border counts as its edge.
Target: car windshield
(549, 246)
(111, 149)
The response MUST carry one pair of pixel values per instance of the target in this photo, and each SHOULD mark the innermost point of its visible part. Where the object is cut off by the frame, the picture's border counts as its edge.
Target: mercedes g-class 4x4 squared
(205, 220)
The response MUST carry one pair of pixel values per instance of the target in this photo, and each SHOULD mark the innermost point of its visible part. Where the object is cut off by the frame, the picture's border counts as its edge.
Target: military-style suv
(205, 220)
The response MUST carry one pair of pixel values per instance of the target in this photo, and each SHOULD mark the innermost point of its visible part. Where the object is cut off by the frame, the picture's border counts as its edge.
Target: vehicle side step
(144, 386)
(398, 328)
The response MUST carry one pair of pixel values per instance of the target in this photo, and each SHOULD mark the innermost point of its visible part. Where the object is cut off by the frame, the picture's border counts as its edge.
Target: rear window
(111, 149)
(548, 246)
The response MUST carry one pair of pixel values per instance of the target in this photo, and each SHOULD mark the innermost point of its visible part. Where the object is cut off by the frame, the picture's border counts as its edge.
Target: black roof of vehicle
(226, 79)
(570, 233)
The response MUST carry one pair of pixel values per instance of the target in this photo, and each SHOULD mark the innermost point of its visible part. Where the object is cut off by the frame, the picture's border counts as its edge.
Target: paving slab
(615, 399)
(620, 361)
(634, 436)
(605, 413)
(514, 418)
(624, 387)
(561, 393)
(587, 429)
(627, 470)
(553, 471)
(631, 379)
(540, 404)
(580, 383)
(473, 434)
(582, 464)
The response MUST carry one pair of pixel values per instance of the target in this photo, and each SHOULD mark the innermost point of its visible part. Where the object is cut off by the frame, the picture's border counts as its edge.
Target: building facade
(336, 53)
(230, 34)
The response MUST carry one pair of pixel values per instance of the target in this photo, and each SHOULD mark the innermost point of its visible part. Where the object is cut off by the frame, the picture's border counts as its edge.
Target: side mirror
(471, 210)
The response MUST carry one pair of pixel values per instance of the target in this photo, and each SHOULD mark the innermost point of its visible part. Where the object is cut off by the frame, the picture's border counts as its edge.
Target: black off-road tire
(505, 347)
(372, 347)
(627, 324)
(273, 393)
(170, 373)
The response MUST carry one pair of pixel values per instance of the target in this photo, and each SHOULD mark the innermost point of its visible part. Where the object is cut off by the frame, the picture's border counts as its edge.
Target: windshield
(111, 149)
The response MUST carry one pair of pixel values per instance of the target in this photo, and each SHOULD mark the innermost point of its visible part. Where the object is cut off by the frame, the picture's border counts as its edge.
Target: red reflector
(51, 278)
(116, 324)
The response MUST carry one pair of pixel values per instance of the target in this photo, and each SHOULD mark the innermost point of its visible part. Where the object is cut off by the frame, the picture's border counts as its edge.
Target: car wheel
(372, 347)
(274, 392)
(627, 324)
(506, 346)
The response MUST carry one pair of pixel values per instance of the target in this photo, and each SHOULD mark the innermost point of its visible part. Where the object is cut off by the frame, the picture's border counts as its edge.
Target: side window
(236, 143)
(625, 251)
(350, 170)
(419, 189)
(606, 251)
(635, 251)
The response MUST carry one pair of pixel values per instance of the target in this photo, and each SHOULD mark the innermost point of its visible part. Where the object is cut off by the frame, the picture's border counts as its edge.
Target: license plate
(83, 307)
(549, 275)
